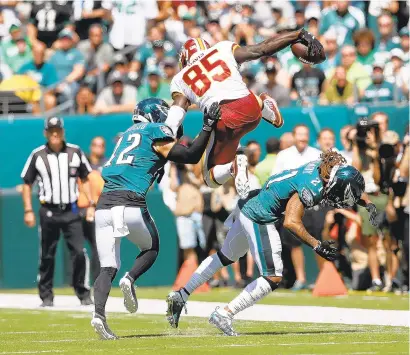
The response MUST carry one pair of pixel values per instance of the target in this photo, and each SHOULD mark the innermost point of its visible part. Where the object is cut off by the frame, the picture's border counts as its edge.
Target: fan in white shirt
(300, 153)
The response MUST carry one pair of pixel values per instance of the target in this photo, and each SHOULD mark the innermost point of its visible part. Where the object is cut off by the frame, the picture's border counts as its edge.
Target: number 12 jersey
(212, 77)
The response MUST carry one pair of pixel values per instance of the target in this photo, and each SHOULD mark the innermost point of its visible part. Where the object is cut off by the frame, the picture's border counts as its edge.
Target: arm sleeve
(191, 155)
(29, 172)
(175, 117)
(85, 167)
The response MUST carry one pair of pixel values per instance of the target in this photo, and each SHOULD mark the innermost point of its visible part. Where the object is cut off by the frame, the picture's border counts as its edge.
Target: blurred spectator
(130, 21)
(16, 49)
(7, 19)
(272, 87)
(97, 153)
(365, 158)
(396, 72)
(170, 69)
(87, 14)
(307, 84)
(117, 97)
(97, 54)
(339, 90)
(346, 143)
(355, 241)
(299, 18)
(331, 49)
(152, 51)
(355, 72)
(47, 19)
(264, 168)
(44, 73)
(214, 33)
(188, 211)
(286, 141)
(342, 20)
(277, 13)
(387, 39)
(253, 152)
(326, 139)
(312, 19)
(69, 63)
(85, 100)
(380, 90)
(405, 43)
(155, 86)
(364, 42)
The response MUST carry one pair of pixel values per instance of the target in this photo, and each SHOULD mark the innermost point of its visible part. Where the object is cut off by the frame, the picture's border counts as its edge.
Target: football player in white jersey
(211, 74)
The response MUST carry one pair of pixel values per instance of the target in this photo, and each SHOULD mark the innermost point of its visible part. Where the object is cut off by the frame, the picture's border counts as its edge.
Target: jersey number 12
(124, 157)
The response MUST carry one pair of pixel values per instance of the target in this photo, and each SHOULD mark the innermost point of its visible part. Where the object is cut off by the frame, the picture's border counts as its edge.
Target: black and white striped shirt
(56, 173)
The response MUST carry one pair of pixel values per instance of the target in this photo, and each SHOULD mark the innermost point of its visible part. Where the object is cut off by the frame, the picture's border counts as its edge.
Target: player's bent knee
(224, 260)
(209, 179)
(273, 281)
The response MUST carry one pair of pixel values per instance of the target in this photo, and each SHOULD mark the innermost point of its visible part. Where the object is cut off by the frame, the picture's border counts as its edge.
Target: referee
(56, 166)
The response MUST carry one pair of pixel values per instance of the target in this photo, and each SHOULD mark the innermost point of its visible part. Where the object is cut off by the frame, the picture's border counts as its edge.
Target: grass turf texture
(280, 297)
(42, 332)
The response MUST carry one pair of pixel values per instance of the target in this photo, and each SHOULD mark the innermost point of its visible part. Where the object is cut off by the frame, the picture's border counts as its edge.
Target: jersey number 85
(199, 78)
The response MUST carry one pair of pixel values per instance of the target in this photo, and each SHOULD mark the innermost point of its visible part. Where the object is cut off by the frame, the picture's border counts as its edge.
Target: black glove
(307, 39)
(376, 219)
(326, 250)
(211, 117)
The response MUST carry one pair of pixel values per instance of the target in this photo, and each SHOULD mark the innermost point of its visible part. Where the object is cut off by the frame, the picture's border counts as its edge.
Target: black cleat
(87, 301)
(47, 303)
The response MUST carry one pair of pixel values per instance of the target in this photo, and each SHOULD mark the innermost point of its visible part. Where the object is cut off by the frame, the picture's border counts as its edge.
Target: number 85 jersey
(212, 77)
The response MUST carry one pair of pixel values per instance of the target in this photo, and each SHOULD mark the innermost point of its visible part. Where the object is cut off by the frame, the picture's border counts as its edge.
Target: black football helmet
(153, 110)
(345, 187)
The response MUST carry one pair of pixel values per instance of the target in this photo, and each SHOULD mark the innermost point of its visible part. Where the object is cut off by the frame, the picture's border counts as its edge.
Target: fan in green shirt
(365, 42)
(263, 170)
(16, 49)
(341, 20)
(155, 86)
(380, 90)
(340, 90)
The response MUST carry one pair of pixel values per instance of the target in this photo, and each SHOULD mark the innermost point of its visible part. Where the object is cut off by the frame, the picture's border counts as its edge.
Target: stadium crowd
(101, 57)
(106, 55)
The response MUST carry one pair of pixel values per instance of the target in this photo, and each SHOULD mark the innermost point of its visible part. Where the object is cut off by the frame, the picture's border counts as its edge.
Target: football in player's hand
(300, 51)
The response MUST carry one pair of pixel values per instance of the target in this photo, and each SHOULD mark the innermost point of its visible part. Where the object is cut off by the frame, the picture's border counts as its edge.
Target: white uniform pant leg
(265, 245)
(108, 247)
(143, 232)
(236, 243)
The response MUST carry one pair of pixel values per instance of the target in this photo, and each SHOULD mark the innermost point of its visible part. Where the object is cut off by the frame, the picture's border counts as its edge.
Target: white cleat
(271, 111)
(241, 176)
(128, 291)
(222, 322)
(101, 328)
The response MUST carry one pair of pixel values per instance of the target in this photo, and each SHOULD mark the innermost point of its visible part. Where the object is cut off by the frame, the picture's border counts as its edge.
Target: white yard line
(266, 313)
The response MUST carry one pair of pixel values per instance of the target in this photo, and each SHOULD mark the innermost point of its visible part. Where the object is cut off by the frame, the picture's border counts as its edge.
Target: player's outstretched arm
(178, 153)
(293, 222)
(276, 44)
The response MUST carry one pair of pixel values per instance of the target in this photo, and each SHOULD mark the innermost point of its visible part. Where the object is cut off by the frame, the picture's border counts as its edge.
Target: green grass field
(52, 332)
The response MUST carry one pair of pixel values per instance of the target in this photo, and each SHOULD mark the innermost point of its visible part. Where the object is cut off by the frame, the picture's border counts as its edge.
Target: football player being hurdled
(211, 74)
(283, 199)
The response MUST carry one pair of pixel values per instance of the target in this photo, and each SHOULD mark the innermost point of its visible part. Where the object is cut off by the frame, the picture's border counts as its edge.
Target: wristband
(93, 204)
(28, 211)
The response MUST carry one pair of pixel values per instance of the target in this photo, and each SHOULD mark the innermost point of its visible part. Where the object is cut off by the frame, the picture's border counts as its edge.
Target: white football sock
(203, 273)
(252, 293)
(222, 173)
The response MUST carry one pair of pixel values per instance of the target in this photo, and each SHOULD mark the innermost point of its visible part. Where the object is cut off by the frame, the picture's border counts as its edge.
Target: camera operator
(366, 138)
(396, 172)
